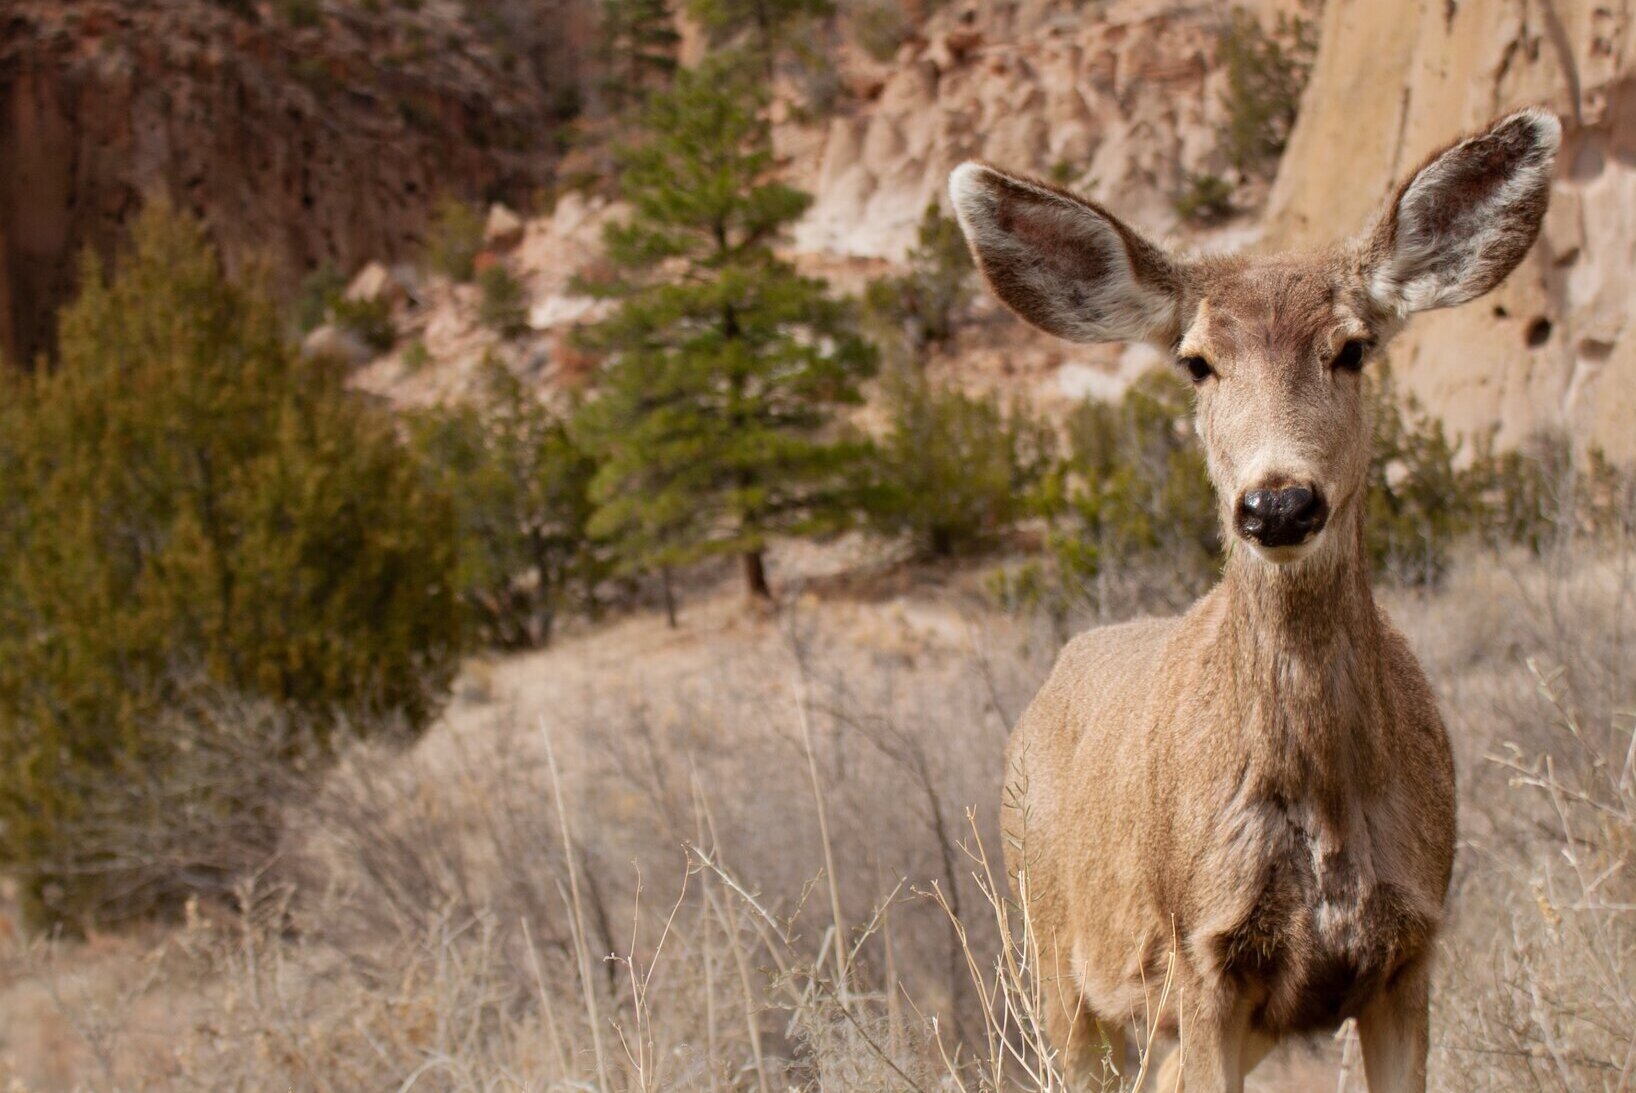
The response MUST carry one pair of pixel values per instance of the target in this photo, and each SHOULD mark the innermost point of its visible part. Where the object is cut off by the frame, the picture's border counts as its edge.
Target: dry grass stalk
(581, 949)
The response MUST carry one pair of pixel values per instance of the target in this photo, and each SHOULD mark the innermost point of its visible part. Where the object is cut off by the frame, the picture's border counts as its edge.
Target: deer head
(1274, 345)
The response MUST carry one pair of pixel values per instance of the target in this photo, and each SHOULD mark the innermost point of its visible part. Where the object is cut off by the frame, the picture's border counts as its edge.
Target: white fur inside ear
(1060, 264)
(1447, 248)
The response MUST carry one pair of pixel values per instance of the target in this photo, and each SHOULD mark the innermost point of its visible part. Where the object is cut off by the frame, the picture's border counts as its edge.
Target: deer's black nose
(1281, 517)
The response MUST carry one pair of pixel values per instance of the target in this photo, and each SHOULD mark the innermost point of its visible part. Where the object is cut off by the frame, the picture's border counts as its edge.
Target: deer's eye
(1351, 355)
(1198, 368)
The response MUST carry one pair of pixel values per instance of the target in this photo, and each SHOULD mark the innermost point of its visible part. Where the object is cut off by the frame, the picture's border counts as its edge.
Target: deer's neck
(1307, 609)
(1303, 642)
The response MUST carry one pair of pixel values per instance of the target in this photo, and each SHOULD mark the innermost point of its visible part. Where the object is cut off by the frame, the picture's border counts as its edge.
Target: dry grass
(1537, 665)
(750, 855)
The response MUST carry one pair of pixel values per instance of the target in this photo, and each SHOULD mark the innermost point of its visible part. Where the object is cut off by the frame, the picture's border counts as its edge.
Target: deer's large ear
(1061, 262)
(1460, 224)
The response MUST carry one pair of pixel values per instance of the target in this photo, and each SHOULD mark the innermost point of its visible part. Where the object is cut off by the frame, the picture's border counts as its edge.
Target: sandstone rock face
(1119, 100)
(503, 229)
(376, 282)
(1113, 103)
(1396, 79)
(302, 143)
(557, 249)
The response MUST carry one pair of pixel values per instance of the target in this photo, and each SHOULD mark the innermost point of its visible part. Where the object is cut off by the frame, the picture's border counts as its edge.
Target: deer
(1253, 803)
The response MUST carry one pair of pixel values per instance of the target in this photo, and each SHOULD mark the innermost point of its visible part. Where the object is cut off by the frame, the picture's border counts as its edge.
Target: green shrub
(953, 472)
(1131, 492)
(501, 306)
(454, 239)
(1266, 73)
(370, 320)
(1419, 503)
(317, 294)
(301, 13)
(1541, 495)
(1607, 498)
(920, 308)
(186, 498)
(416, 356)
(879, 27)
(1538, 496)
(1526, 490)
(1205, 199)
(521, 493)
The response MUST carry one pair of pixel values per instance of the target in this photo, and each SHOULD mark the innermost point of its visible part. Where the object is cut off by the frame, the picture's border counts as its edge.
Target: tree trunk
(544, 607)
(755, 576)
(670, 597)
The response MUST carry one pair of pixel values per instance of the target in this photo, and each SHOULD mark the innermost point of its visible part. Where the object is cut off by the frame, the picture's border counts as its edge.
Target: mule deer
(1261, 790)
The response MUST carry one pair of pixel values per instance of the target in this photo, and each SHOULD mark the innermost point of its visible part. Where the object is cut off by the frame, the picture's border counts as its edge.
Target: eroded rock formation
(1121, 101)
(1395, 79)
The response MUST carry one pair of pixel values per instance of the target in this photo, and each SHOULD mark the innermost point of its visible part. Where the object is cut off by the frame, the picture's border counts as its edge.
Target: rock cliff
(300, 130)
(1395, 79)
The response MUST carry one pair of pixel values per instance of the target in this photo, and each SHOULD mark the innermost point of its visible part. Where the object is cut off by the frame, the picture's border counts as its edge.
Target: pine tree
(187, 500)
(639, 45)
(715, 422)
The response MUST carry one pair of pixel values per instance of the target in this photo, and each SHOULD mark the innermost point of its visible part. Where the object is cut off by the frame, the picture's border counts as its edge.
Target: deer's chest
(1317, 920)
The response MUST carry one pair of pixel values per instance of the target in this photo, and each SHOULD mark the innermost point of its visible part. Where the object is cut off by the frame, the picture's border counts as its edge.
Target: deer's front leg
(1394, 1033)
(1217, 1049)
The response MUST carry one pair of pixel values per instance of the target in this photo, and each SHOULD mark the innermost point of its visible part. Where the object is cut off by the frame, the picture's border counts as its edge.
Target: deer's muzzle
(1281, 517)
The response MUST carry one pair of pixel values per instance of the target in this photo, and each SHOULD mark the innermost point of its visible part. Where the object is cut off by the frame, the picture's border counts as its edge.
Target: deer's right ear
(1062, 263)
(1461, 223)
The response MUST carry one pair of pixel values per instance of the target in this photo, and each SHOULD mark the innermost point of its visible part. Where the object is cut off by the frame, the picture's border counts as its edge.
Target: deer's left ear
(1062, 263)
(1462, 222)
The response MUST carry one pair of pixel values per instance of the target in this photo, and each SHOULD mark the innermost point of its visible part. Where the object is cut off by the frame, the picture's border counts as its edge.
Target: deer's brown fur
(1261, 789)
